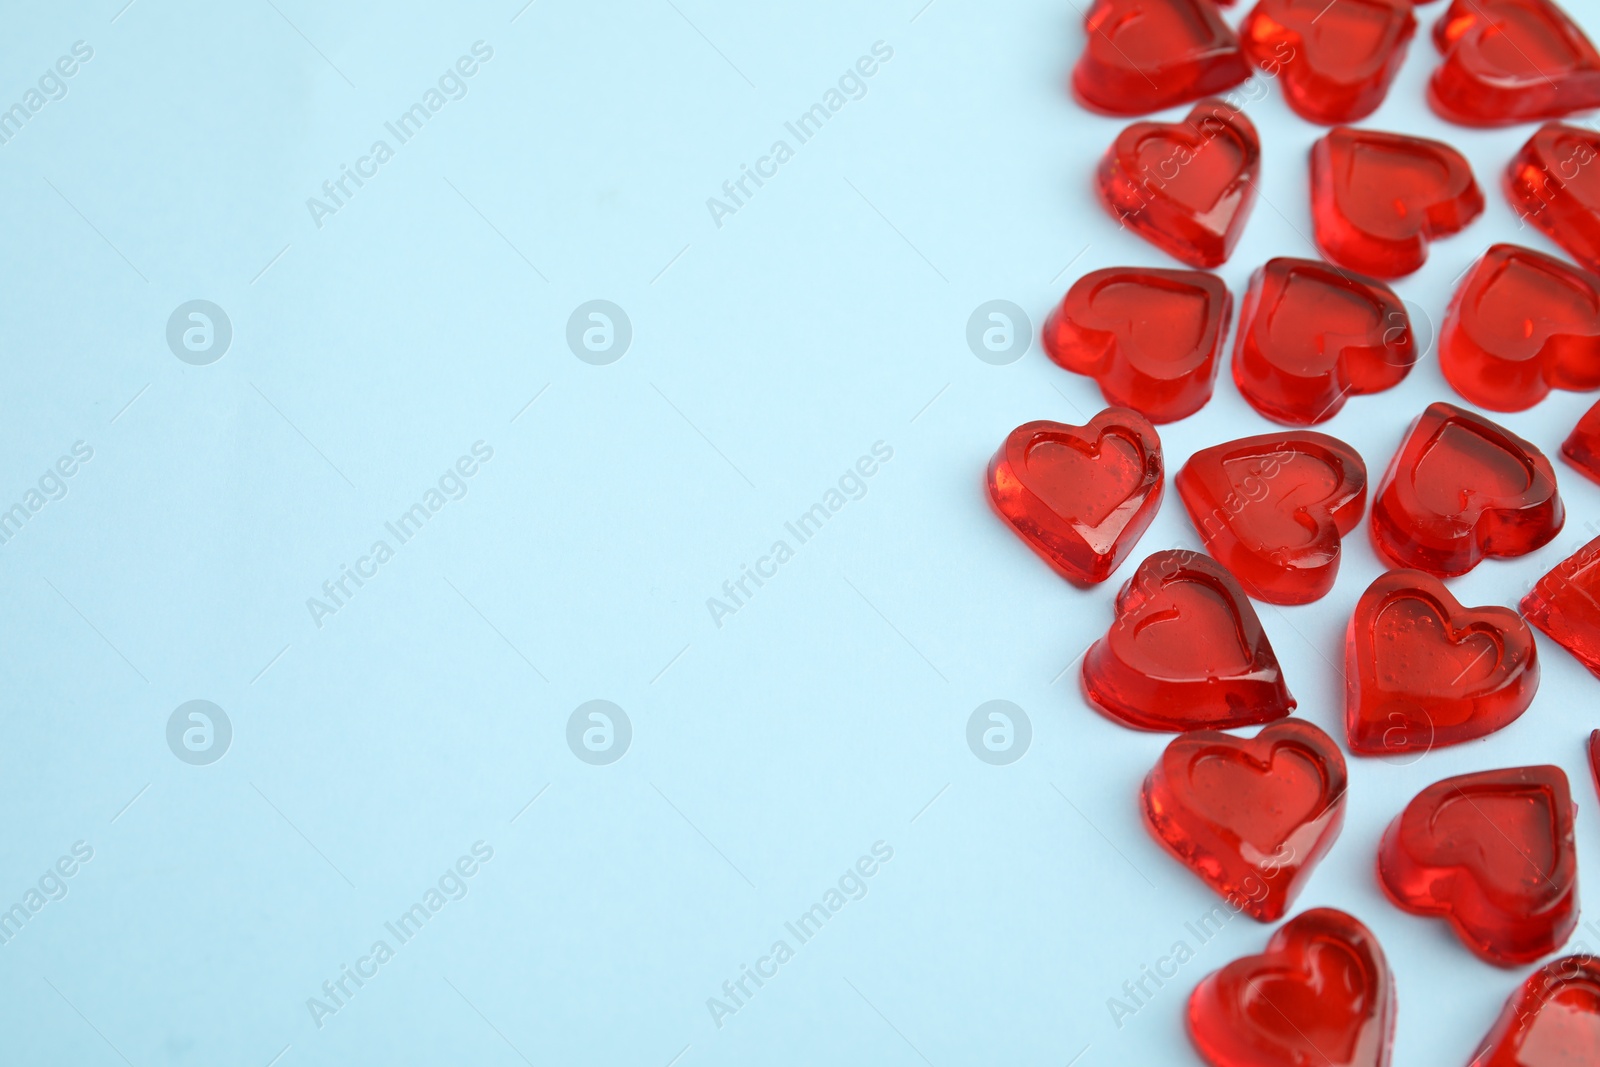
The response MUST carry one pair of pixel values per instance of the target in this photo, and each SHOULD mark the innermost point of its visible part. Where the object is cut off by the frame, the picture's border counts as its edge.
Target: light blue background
(768, 355)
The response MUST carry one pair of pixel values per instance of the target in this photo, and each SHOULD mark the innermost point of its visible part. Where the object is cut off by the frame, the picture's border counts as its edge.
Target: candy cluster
(1492, 854)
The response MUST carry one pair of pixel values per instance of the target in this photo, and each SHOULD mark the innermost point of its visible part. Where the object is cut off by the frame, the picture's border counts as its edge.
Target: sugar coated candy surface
(1250, 816)
(1321, 995)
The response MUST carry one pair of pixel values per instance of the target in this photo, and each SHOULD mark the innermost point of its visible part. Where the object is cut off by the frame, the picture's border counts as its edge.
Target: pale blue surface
(768, 355)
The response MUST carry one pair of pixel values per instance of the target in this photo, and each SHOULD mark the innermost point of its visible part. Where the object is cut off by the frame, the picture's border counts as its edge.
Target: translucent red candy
(1187, 187)
(1334, 61)
(1462, 488)
(1582, 446)
(1250, 816)
(1520, 324)
(1551, 183)
(1552, 1020)
(1493, 854)
(1320, 996)
(1185, 650)
(1377, 199)
(1149, 337)
(1145, 55)
(1311, 334)
(1422, 671)
(1594, 757)
(1080, 496)
(1509, 61)
(1274, 508)
(1565, 604)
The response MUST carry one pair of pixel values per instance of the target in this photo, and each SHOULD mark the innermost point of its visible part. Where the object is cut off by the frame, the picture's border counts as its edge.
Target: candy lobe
(1149, 337)
(1565, 605)
(1185, 650)
(1079, 496)
(1321, 995)
(1187, 187)
(1311, 335)
(1462, 488)
(1335, 62)
(1493, 854)
(1551, 1020)
(1520, 324)
(1144, 55)
(1250, 816)
(1378, 199)
(1422, 671)
(1551, 183)
(1273, 509)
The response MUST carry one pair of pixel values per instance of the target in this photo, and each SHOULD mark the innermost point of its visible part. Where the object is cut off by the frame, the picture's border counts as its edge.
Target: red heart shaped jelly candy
(1582, 446)
(1320, 996)
(1149, 337)
(1187, 187)
(1552, 1020)
(1551, 184)
(1334, 61)
(1185, 650)
(1493, 854)
(1080, 496)
(1250, 816)
(1311, 334)
(1565, 604)
(1461, 488)
(1377, 199)
(1273, 508)
(1520, 324)
(1144, 55)
(1509, 61)
(1422, 671)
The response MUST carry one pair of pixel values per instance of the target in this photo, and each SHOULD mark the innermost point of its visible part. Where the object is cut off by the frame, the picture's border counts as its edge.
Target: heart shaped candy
(1551, 183)
(1552, 1020)
(1311, 334)
(1461, 488)
(1250, 816)
(1509, 61)
(1185, 650)
(1520, 324)
(1493, 854)
(1582, 446)
(1187, 187)
(1334, 61)
(1144, 55)
(1080, 496)
(1377, 199)
(1273, 508)
(1149, 337)
(1423, 671)
(1320, 996)
(1565, 604)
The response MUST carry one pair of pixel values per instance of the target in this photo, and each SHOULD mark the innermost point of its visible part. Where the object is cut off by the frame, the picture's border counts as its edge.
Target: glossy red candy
(1187, 187)
(1144, 55)
(1462, 488)
(1377, 199)
(1493, 854)
(1509, 61)
(1552, 1020)
(1250, 816)
(1149, 337)
(1565, 604)
(1422, 671)
(1320, 996)
(1080, 496)
(1594, 757)
(1273, 509)
(1551, 183)
(1520, 324)
(1186, 650)
(1334, 61)
(1582, 446)
(1310, 335)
